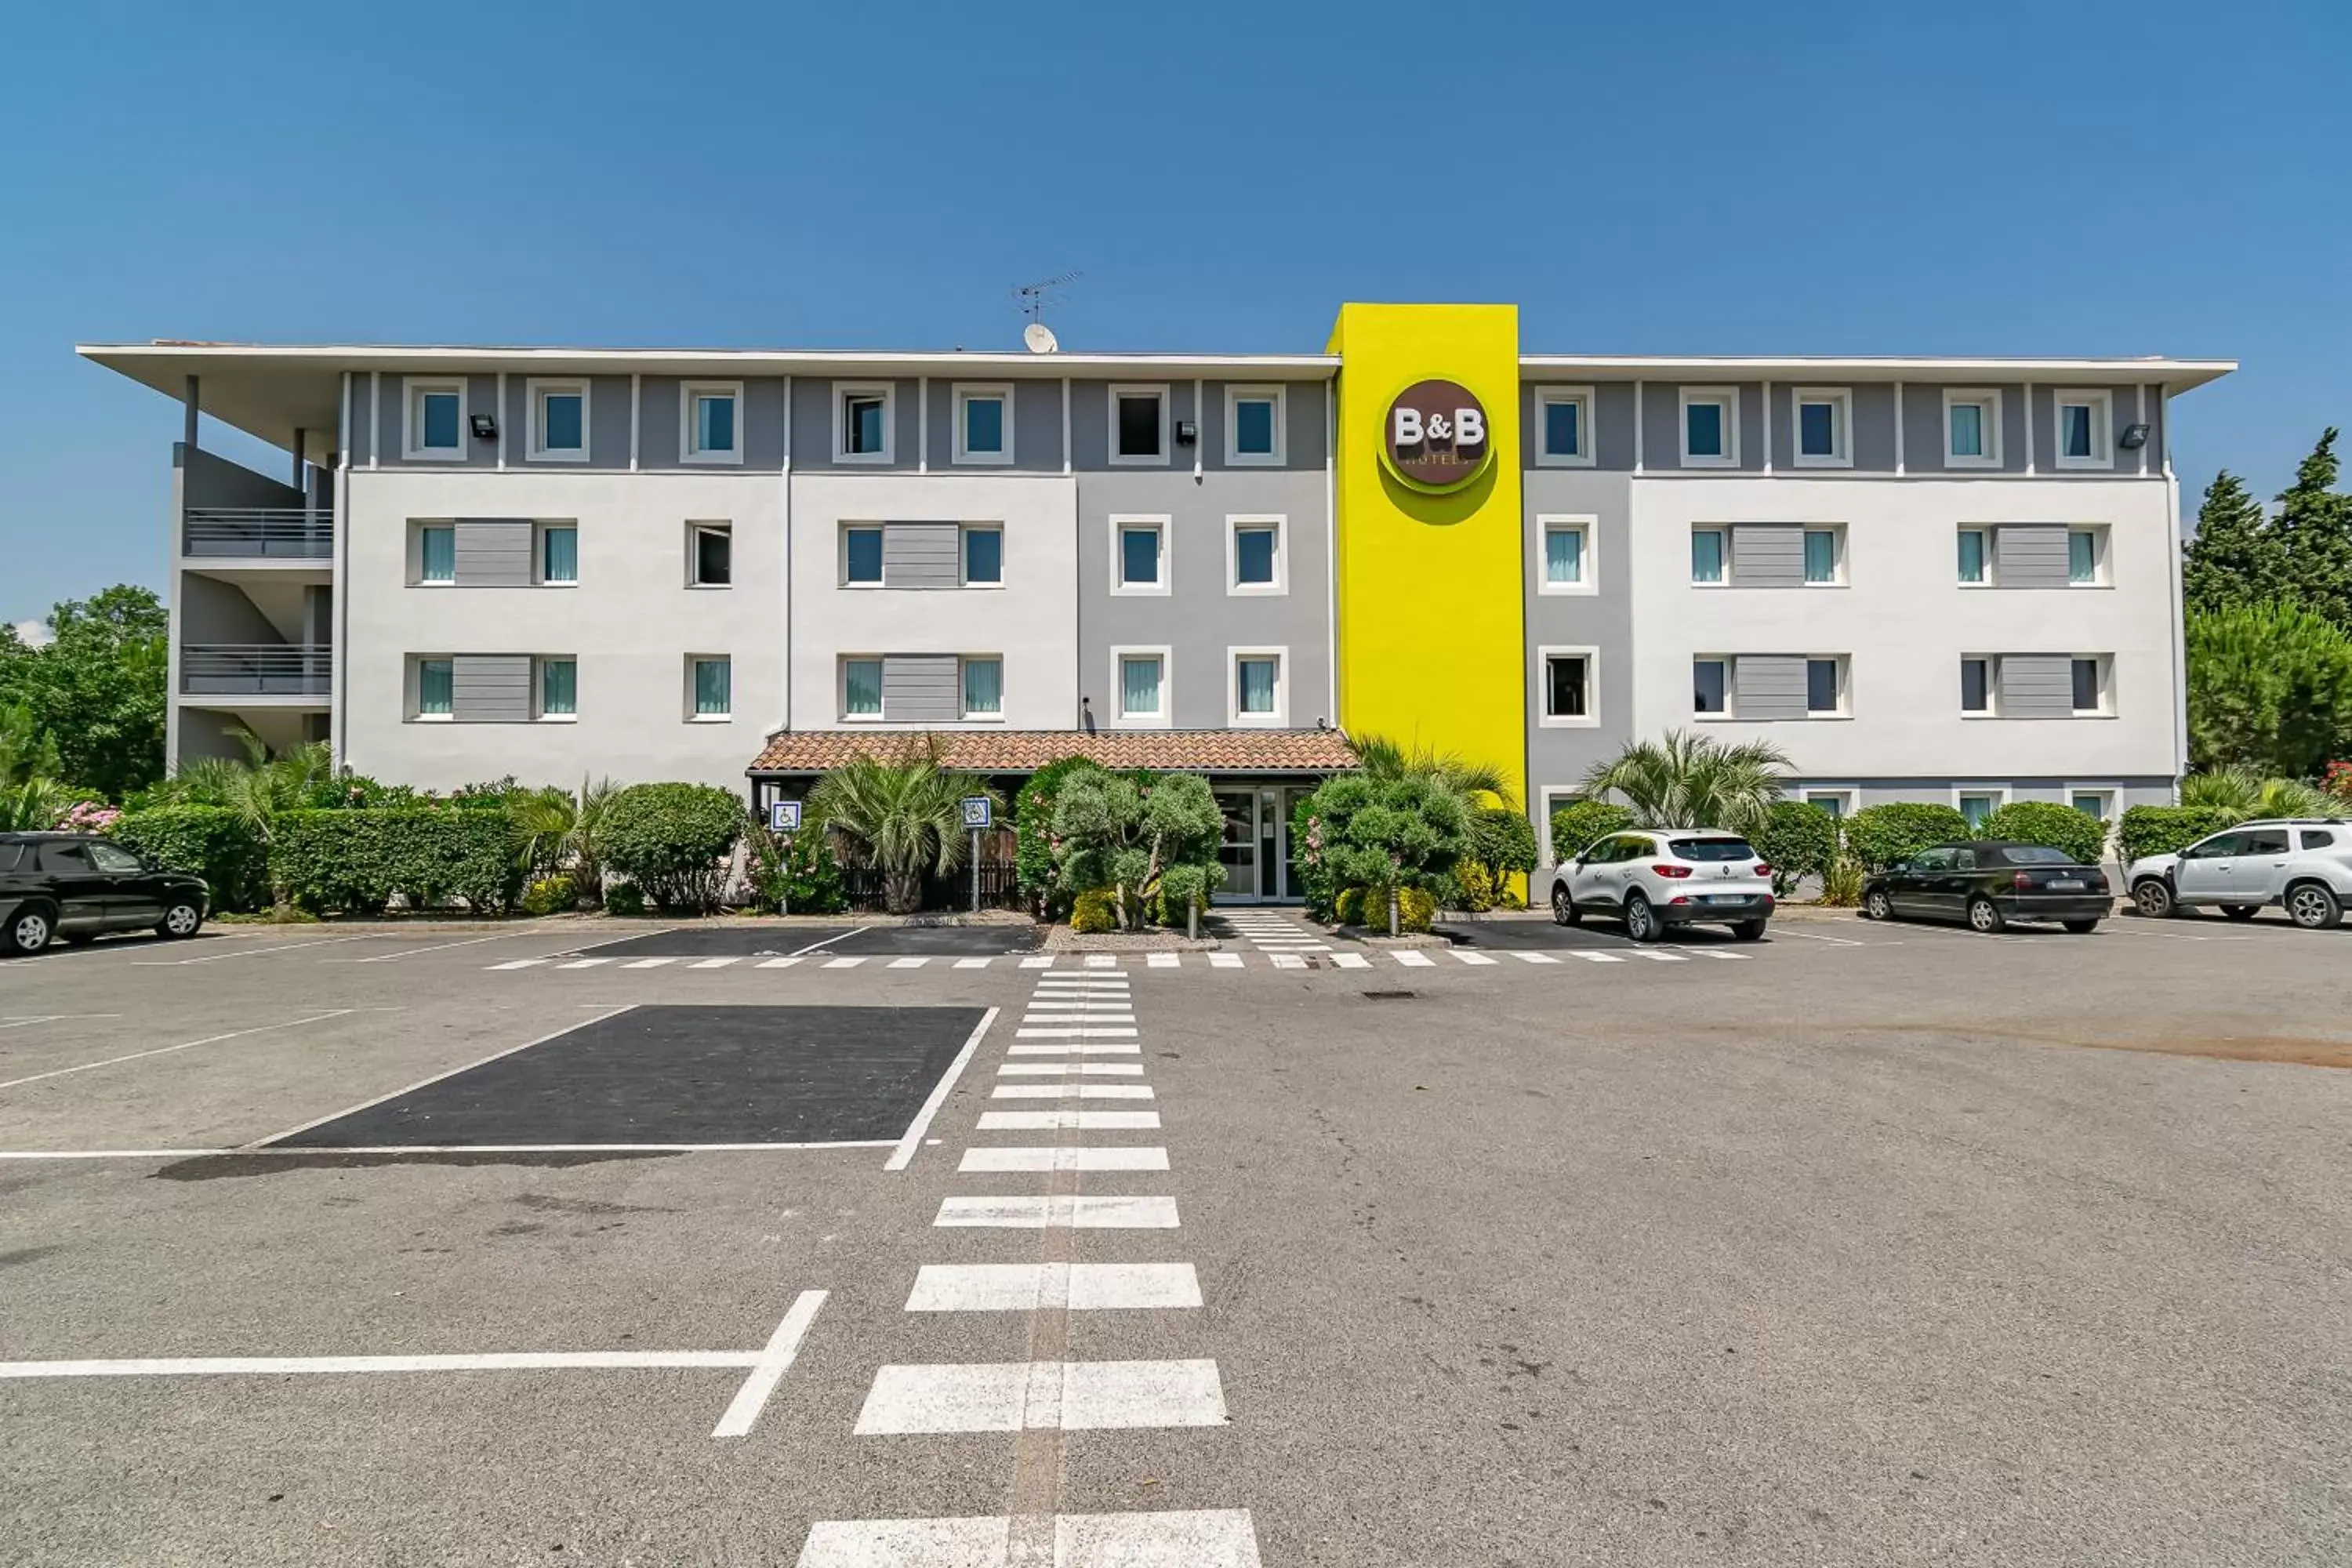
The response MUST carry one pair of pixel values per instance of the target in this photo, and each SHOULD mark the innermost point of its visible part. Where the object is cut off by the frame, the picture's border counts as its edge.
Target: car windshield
(1713, 849)
(2036, 855)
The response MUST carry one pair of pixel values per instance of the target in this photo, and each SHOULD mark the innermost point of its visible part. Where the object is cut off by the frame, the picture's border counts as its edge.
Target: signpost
(977, 820)
(784, 817)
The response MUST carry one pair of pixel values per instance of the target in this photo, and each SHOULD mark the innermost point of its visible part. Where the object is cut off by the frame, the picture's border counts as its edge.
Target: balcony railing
(256, 670)
(260, 533)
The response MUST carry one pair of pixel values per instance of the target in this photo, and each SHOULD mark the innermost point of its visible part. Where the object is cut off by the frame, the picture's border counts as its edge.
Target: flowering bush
(2339, 782)
(88, 816)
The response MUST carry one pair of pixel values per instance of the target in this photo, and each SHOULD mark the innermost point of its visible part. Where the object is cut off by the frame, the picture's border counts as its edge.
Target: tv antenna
(1037, 335)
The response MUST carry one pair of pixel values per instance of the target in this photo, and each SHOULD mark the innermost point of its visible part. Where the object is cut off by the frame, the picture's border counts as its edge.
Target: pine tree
(2235, 559)
(2314, 531)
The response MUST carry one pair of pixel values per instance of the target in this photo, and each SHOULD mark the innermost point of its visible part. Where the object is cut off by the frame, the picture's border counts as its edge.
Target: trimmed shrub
(2167, 829)
(1502, 842)
(799, 870)
(550, 894)
(1032, 834)
(1368, 909)
(674, 840)
(1096, 909)
(1178, 886)
(1879, 836)
(208, 841)
(623, 899)
(1415, 910)
(1579, 825)
(1360, 832)
(1799, 838)
(356, 861)
(2051, 824)
(1120, 832)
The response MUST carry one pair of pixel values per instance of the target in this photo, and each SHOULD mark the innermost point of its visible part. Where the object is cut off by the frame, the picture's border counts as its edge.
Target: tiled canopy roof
(1025, 750)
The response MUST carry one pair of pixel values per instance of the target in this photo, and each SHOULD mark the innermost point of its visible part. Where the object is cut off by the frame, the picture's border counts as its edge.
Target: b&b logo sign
(1436, 435)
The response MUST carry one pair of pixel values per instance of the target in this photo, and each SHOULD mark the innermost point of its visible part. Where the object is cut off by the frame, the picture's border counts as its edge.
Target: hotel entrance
(1257, 851)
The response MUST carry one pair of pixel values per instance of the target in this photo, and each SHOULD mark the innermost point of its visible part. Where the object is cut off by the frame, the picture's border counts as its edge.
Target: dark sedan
(1988, 883)
(74, 887)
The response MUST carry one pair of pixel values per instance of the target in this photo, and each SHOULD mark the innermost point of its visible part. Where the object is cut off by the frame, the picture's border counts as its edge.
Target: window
(1710, 427)
(1564, 419)
(2258, 841)
(861, 557)
(436, 420)
(434, 690)
(1568, 686)
(1837, 803)
(1823, 555)
(2098, 805)
(1142, 682)
(708, 429)
(559, 421)
(2317, 838)
(558, 688)
(1708, 685)
(2220, 847)
(1824, 686)
(709, 554)
(1256, 560)
(1822, 419)
(2082, 425)
(983, 688)
(1707, 554)
(1972, 430)
(1139, 425)
(1257, 686)
(983, 423)
(1976, 804)
(861, 423)
(1139, 555)
(861, 689)
(1567, 555)
(1254, 425)
(559, 553)
(711, 681)
(1972, 556)
(1976, 686)
(2086, 551)
(436, 553)
(983, 557)
(2090, 686)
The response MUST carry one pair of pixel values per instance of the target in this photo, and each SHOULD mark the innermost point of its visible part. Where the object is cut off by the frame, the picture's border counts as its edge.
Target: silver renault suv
(2303, 865)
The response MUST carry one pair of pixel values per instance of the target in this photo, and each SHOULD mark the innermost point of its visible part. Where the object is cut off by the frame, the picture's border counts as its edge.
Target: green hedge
(2167, 829)
(1879, 836)
(1799, 838)
(1368, 909)
(2050, 822)
(1577, 826)
(673, 841)
(356, 861)
(208, 841)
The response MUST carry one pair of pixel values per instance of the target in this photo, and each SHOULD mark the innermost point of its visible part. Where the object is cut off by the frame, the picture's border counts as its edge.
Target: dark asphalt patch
(829, 942)
(961, 942)
(682, 1074)
(217, 1167)
(718, 942)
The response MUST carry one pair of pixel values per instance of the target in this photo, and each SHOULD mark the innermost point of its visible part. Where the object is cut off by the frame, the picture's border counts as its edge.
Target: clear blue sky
(1712, 178)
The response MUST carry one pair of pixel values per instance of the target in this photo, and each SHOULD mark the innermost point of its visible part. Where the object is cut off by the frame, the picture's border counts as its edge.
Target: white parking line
(440, 947)
(843, 962)
(1062, 1286)
(167, 1050)
(1079, 1211)
(1189, 1537)
(904, 1154)
(774, 1363)
(1224, 960)
(828, 942)
(1073, 1121)
(1014, 1396)
(254, 951)
(1351, 961)
(1142, 1157)
(1783, 930)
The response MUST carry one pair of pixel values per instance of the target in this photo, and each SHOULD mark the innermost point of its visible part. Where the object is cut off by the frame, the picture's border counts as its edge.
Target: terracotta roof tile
(1025, 750)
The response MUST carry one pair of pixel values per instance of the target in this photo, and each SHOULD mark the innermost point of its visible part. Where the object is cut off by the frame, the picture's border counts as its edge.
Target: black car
(73, 887)
(1988, 883)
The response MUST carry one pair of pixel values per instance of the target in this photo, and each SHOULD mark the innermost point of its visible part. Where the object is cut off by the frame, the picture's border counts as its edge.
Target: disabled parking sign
(975, 812)
(784, 817)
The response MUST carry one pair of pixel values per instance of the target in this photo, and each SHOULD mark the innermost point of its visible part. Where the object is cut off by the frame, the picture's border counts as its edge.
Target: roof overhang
(1305, 752)
(2174, 375)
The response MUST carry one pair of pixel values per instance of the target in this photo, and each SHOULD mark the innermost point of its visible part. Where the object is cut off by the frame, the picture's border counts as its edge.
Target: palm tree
(561, 830)
(1693, 781)
(1381, 758)
(36, 804)
(257, 788)
(2245, 792)
(903, 815)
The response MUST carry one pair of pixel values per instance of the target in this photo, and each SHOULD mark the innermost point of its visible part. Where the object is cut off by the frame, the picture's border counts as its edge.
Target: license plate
(2069, 885)
(1726, 898)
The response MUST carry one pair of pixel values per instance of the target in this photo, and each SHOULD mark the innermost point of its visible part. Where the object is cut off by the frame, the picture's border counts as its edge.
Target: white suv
(1653, 879)
(2306, 866)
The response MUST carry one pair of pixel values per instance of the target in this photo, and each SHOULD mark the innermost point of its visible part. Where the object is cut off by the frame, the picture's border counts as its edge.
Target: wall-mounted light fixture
(486, 427)
(2134, 437)
(1187, 433)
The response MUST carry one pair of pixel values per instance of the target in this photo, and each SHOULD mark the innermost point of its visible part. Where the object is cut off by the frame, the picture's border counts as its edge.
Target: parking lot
(1863, 1244)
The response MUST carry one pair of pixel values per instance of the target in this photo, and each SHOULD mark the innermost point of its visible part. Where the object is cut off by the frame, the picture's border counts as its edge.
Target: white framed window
(982, 682)
(1254, 425)
(1976, 557)
(1979, 686)
(983, 549)
(1971, 428)
(1256, 555)
(1569, 681)
(1138, 425)
(1710, 427)
(1838, 800)
(432, 689)
(1564, 427)
(1711, 685)
(709, 555)
(1710, 553)
(1140, 697)
(983, 423)
(1826, 686)
(556, 555)
(559, 421)
(710, 422)
(1977, 802)
(433, 422)
(1259, 694)
(2086, 558)
(2094, 683)
(2096, 801)
(861, 555)
(1566, 566)
(863, 421)
(710, 689)
(2084, 433)
(1824, 427)
(436, 555)
(1825, 556)
(1140, 557)
(861, 690)
(555, 688)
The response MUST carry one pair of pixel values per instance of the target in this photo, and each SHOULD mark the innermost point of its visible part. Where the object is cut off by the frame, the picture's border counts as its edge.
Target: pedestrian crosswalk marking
(1045, 962)
(1471, 957)
(1589, 957)
(1066, 1287)
(1073, 1050)
(713, 962)
(1535, 957)
(1069, 1120)
(1139, 1157)
(907, 963)
(1654, 956)
(583, 963)
(1014, 1396)
(1085, 1033)
(1413, 960)
(1351, 961)
(1076, 989)
(843, 962)
(972, 963)
(780, 963)
(1161, 960)
(1287, 960)
(647, 963)
(1053, 1069)
(1072, 1091)
(1207, 1538)
(1077, 1211)
(519, 964)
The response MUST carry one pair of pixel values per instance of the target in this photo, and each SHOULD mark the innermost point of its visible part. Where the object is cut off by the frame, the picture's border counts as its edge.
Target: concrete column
(299, 434)
(188, 431)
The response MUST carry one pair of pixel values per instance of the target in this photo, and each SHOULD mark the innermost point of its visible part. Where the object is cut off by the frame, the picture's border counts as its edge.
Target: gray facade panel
(1872, 439)
(1302, 427)
(763, 434)
(2041, 414)
(658, 421)
(760, 432)
(608, 422)
(2030, 555)
(1768, 555)
(212, 611)
(1768, 686)
(922, 555)
(493, 551)
(2037, 686)
(1090, 429)
(490, 688)
(207, 480)
(1662, 426)
(920, 688)
(812, 427)
(1559, 756)
(1034, 427)
(1612, 427)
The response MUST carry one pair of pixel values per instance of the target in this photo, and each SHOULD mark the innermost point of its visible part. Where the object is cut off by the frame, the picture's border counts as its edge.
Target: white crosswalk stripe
(1050, 1070)
(1071, 1286)
(908, 963)
(1411, 958)
(1077, 1211)
(1046, 962)
(648, 962)
(713, 962)
(1289, 960)
(1098, 1050)
(1654, 956)
(1087, 1032)
(1468, 957)
(1351, 961)
(780, 963)
(1224, 960)
(1525, 957)
(971, 963)
(1069, 1120)
(519, 964)
(1591, 957)
(1161, 960)
(843, 962)
(583, 963)
(1206, 1538)
(1133, 1157)
(1072, 1091)
(1014, 1396)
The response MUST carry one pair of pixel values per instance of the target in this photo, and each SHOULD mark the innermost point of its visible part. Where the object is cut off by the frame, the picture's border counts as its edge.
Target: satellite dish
(1040, 338)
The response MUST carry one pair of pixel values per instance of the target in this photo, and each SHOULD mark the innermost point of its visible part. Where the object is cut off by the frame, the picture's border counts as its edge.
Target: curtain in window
(1564, 555)
(1139, 686)
(561, 550)
(1257, 685)
(1972, 557)
(558, 686)
(984, 686)
(2076, 440)
(712, 683)
(440, 551)
(433, 694)
(1967, 430)
(2081, 558)
(1820, 557)
(862, 687)
(1706, 556)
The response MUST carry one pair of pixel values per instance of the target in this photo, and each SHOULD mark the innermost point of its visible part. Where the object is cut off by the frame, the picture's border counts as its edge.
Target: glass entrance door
(1239, 851)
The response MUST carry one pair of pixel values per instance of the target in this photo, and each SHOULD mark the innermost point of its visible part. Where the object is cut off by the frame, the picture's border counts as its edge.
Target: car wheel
(1641, 920)
(2314, 907)
(1984, 916)
(1563, 908)
(2152, 896)
(2241, 911)
(1877, 906)
(1749, 931)
(2081, 927)
(181, 920)
(28, 930)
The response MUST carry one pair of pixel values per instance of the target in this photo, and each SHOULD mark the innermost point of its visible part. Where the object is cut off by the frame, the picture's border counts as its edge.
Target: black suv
(73, 887)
